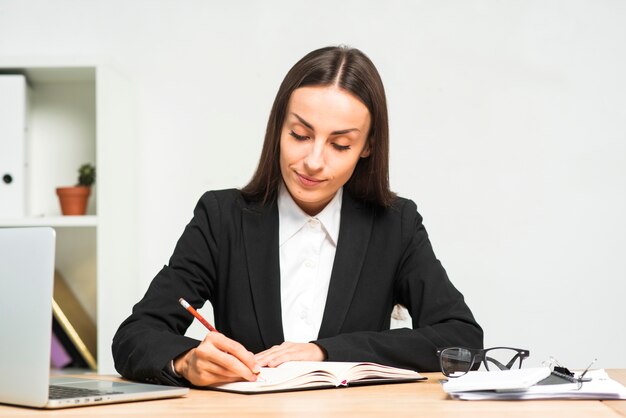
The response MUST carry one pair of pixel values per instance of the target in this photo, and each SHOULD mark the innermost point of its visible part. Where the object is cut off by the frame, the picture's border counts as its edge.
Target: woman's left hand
(287, 351)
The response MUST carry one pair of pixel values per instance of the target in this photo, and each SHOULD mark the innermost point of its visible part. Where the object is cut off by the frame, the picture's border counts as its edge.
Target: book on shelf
(59, 357)
(74, 357)
(72, 326)
(303, 375)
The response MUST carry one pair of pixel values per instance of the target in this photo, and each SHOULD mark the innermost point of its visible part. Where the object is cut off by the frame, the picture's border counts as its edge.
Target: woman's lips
(308, 181)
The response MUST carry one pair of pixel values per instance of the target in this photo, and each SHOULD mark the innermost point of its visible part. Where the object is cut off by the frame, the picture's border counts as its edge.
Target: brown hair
(351, 70)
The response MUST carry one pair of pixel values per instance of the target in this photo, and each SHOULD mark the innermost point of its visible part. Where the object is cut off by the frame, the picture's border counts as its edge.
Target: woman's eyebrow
(308, 125)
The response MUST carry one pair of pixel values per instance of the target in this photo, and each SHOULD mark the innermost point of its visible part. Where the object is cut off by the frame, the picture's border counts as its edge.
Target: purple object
(58, 356)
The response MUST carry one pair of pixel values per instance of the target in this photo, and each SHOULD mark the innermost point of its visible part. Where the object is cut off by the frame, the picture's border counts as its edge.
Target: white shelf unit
(53, 221)
(82, 110)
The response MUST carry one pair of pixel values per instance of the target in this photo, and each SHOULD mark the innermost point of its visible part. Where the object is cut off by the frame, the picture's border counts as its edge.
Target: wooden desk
(423, 399)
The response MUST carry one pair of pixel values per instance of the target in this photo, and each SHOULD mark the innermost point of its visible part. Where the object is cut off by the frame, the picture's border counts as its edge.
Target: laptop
(26, 282)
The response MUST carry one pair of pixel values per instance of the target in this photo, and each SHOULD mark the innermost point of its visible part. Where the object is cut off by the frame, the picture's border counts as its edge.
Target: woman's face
(323, 136)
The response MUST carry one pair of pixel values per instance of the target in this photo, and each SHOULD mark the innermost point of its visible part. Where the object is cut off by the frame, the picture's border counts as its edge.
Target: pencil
(195, 313)
(206, 323)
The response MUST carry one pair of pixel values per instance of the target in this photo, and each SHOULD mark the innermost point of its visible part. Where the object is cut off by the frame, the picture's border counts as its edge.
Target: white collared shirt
(307, 248)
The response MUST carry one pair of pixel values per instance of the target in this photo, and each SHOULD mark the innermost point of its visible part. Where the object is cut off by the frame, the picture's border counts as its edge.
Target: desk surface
(425, 399)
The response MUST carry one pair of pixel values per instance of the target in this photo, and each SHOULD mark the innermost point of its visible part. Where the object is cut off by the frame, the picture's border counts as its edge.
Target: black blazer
(228, 254)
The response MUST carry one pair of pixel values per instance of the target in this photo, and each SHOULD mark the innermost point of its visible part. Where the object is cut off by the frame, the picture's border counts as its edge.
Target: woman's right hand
(218, 359)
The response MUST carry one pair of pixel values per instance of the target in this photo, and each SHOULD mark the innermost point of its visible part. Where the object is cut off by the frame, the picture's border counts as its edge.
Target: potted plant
(74, 199)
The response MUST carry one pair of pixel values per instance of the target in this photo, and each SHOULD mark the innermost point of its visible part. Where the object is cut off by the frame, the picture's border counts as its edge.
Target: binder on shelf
(76, 357)
(72, 326)
(59, 357)
(13, 103)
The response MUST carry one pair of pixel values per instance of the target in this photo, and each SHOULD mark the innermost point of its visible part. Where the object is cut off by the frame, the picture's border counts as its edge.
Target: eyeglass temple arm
(502, 366)
(497, 363)
(514, 359)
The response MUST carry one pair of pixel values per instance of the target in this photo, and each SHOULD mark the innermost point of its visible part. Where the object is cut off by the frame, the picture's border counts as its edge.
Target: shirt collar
(292, 218)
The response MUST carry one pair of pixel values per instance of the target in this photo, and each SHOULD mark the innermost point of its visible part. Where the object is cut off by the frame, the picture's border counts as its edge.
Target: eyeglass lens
(455, 361)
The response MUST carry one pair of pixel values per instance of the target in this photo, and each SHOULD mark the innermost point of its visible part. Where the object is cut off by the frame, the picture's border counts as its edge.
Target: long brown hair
(351, 70)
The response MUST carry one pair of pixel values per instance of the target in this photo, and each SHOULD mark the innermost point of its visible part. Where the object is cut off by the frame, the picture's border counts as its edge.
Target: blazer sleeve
(440, 316)
(153, 334)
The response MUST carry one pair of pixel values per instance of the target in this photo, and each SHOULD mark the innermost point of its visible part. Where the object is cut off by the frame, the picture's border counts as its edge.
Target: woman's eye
(341, 147)
(298, 137)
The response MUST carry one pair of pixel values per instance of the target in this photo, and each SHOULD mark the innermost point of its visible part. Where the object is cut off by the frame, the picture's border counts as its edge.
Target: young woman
(308, 260)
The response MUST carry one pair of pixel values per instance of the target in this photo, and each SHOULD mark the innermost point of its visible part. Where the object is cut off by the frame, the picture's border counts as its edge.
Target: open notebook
(301, 375)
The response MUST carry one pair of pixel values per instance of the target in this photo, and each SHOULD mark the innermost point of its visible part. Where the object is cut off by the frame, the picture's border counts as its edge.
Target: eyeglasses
(457, 361)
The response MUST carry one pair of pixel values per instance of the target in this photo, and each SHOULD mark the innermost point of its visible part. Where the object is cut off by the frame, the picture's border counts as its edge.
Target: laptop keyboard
(64, 392)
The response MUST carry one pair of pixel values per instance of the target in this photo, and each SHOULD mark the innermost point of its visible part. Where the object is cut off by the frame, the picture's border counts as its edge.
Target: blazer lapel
(354, 235)
(260, 230)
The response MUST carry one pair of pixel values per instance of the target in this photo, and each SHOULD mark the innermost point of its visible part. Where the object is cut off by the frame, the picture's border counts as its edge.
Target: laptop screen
(26, 279)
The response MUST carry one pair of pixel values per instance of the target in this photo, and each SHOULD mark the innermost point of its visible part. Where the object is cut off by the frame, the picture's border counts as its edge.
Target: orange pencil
(200, 318)
(195, 313)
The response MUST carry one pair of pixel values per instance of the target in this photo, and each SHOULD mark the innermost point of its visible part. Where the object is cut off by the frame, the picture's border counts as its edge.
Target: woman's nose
(314, 160)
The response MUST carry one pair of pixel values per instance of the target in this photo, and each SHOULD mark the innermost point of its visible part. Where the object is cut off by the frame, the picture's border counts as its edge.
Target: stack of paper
(514, 385)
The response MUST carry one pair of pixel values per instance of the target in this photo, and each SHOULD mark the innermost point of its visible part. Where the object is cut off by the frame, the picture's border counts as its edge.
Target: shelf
(53, 221)
(81, 109)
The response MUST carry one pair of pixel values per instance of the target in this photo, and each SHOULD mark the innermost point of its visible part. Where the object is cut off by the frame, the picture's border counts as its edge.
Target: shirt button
(302, 314)
(309, 264)
(314, 223)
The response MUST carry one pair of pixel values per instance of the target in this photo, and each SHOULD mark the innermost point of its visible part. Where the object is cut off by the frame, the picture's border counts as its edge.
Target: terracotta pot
(73, 199)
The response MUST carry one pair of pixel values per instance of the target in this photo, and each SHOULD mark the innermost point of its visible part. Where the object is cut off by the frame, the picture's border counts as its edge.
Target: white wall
(507, 121)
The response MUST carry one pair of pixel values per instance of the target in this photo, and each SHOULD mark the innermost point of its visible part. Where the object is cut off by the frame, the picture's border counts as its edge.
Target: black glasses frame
(481, 355)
